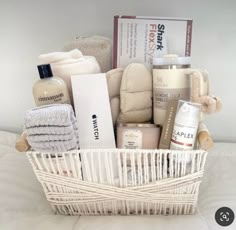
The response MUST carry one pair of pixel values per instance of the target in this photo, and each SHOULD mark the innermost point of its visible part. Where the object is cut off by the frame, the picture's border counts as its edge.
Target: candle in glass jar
(137, 136)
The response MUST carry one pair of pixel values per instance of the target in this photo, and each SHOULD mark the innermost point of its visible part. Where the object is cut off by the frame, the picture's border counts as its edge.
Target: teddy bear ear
(208, 104)
(219, 104)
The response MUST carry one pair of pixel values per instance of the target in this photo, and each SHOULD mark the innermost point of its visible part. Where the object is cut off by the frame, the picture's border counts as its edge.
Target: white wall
(29, 28)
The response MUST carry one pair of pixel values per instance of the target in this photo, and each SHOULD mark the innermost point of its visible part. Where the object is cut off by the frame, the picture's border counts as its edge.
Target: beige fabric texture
(136, 94)
(98, 46)
(114, 78)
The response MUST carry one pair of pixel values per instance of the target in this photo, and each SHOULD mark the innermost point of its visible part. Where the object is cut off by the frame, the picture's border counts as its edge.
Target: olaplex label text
(183, 136)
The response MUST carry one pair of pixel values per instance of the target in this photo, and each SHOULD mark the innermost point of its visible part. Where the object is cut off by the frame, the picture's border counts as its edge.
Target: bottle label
(163, 96)
(183, 137)
(132, 139)
(53, 99)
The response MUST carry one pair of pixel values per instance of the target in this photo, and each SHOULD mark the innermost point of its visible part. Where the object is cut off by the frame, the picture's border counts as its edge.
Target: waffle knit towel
(52, 128)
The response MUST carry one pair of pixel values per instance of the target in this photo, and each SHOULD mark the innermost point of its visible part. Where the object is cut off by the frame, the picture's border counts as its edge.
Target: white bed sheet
(23, 205)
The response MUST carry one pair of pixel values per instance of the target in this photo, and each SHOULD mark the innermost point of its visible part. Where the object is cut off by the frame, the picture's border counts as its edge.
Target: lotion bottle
(49, 89)
(185, 126)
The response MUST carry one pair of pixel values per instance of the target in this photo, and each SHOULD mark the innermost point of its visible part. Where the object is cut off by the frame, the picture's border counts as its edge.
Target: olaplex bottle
(170, 82)
(185, 126)
(49, 89)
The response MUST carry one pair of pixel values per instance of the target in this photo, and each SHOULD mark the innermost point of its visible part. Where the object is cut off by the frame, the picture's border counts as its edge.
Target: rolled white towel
(65, 69)
(66, 64)
(59, 56)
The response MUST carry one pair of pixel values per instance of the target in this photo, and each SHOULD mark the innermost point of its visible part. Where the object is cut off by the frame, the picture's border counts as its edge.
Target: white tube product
(170, 82)
(186, 126)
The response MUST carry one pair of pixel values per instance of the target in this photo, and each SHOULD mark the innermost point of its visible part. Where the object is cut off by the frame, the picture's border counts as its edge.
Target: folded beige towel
(97, 46)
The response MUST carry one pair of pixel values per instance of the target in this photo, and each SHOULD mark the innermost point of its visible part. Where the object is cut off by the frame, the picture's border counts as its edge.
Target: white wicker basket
(120, 182)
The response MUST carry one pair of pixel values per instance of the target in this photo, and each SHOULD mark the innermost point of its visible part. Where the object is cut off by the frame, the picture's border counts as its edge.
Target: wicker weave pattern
(112, 182)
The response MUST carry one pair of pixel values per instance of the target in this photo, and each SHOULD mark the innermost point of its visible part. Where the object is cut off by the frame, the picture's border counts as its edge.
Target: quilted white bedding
(23, 205)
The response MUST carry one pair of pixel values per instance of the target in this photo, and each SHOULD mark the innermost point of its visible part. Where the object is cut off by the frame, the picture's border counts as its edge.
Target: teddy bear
(200, 93)
(199, 84)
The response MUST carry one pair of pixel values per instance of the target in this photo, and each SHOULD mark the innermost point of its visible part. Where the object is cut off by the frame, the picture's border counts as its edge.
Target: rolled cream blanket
(83, 65)
(59, 56)
(66, 64)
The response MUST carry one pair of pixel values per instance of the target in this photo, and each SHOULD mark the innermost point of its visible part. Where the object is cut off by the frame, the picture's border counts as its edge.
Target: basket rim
(119, 150)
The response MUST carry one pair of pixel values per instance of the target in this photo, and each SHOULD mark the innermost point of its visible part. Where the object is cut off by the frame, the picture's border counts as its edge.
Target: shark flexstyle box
(137, 39)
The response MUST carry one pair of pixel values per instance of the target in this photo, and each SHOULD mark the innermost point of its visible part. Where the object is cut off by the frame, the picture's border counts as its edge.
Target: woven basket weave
(120, 182)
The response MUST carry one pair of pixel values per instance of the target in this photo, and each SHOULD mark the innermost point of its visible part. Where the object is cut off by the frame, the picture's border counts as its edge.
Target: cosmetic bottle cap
(188, 113)
(45, 71)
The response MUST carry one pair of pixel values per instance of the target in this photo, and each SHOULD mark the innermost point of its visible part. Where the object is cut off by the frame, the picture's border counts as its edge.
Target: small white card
(93, 113)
